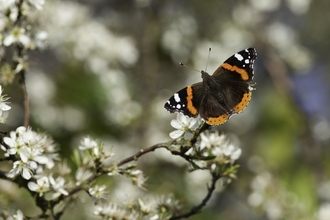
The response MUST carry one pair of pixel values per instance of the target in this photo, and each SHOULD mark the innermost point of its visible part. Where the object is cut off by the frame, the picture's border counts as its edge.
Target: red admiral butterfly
(219, 96)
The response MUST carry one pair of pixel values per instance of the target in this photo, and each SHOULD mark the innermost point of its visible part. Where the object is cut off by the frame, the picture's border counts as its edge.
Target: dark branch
(3, 175)
(26, 102)
(142, 152)
(199, 207)
(166, 146)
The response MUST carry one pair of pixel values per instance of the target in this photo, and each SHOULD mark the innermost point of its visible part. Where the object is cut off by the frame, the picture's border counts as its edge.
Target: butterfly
(219, 96)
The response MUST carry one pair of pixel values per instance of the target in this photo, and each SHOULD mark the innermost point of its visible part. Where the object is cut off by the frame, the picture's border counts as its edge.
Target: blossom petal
(26, 174)
(33, 186)
(176, 124)
(176, 134)
(10, 142)
(8, 40)
(4, 107)
(236, 154)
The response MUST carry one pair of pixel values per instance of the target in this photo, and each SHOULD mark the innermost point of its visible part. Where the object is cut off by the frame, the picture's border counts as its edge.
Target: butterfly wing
(186, 100)
(213, 108)
(238, 67)
(219, 104)
(229, 91)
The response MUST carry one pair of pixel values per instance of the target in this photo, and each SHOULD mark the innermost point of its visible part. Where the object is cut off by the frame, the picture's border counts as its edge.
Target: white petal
(10, 142)
(8, 40)
(217, 151)
(33, 165)
(227, 149)
(24, 156)
(21, 129)
(25, 40)
(4, 107)
(41, 159)
(236, 154)
(176, 134)
(33, 186)
(176, 124)
(63, 191)
(193, 124)
(184, 119)
(26, 174)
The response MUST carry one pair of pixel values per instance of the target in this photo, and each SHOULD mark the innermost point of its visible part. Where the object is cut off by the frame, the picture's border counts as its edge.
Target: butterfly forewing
(186, 100)
(240, 64)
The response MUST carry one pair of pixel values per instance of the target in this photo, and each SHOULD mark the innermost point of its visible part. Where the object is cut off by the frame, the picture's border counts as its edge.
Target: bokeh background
(110, 65)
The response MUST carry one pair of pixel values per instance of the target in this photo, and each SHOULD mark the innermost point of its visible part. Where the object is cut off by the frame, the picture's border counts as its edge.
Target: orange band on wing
(217, 120)
(244, 102)
(242, 72)
(190, 105)
(238, 108)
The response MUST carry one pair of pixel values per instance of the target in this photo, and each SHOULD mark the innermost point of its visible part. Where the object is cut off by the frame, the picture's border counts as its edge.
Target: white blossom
(23, 168)
(211, 140)
(58, 185)
(113, 211)
(184, 125)
(17, 35)
(3, 101)
(137, 178)
(87, 143)
(18, 215)
(97, 191)
(31, 150)
(146, 207)
(82, 175)
(217, 145)
(41, 186)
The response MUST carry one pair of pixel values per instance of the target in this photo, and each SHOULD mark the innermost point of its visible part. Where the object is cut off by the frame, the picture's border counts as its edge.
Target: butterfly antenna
(189, 67)
(208, 57)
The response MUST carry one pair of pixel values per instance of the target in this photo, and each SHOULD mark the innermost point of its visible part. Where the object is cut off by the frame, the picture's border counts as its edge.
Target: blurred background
(109, 66)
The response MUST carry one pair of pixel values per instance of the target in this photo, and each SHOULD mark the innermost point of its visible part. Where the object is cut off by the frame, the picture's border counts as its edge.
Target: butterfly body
(220, 95)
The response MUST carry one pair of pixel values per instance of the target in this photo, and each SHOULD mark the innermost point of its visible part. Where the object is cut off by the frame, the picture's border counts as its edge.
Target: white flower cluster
(213, 144)
(153, 209)
(11, 11)
(30, 151)
(18, 215)
(17, 27)
(271, 197)
(214, 150)
(46, 184)
(95, 155)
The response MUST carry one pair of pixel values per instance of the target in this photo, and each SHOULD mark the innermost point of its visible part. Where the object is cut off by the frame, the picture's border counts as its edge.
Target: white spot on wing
(178, 106)
(177, 97)
(239, 56)
(247, 61)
